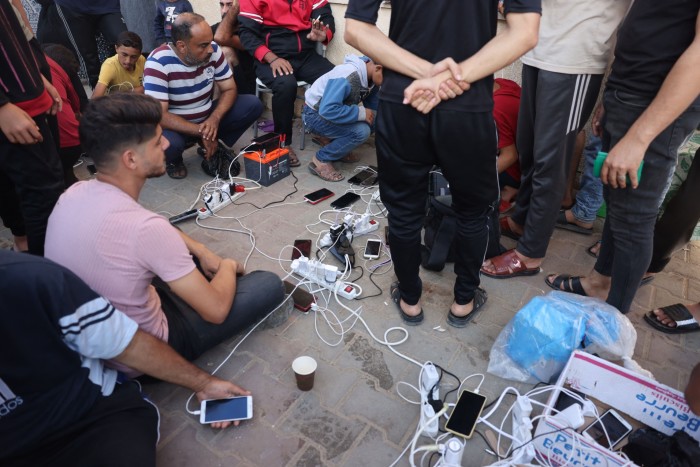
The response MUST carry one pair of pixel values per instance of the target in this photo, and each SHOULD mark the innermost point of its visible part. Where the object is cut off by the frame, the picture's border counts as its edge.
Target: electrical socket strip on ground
(319, 273)
(217, 203)
(429, 381)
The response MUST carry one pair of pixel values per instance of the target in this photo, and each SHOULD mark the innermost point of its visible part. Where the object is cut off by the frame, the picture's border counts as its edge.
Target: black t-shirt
(44, 384)
(438, 29)
(652, 37)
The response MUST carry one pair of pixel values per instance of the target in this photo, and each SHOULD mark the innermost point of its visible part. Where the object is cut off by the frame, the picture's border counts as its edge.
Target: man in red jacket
(282, 37)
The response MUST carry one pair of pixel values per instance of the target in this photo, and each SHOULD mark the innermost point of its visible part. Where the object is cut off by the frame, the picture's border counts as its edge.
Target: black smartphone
(465, 414)
(318, 195)
(344, 201)
(564, 400)
(301, 248)
(362, 177)
(302, 298)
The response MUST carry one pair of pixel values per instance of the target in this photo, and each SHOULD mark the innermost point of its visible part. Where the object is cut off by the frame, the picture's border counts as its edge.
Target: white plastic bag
(538, 341)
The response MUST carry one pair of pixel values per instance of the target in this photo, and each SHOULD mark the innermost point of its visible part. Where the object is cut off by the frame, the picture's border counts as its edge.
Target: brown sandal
(293, 159)
(509, 265)
(325, 172)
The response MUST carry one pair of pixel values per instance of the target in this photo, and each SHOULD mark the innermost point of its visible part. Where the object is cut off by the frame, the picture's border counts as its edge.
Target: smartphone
(318, 195)
(564, 400)
(301, 248)
(465, 414)
(344, 201)
(301, 297)
(373, 248)
(598, 165)
(362, 177)
(616, 427)
(226, 410)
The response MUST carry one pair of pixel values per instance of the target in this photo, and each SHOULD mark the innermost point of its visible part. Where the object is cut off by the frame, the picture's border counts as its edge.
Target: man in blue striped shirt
(182, 76)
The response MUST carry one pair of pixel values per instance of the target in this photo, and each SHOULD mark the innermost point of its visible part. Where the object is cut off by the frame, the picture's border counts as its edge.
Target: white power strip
(215, 206)
(319, 273)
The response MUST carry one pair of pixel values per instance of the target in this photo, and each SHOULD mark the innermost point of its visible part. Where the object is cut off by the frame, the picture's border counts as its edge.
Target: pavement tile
(310, 458)
(373, 449)
(186, 450)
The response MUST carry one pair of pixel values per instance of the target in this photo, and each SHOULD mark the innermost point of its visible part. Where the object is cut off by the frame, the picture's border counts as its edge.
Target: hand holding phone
(600, 160)
(226, 410)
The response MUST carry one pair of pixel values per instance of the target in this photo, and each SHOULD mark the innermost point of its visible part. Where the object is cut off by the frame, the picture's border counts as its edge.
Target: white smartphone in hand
(226, 410)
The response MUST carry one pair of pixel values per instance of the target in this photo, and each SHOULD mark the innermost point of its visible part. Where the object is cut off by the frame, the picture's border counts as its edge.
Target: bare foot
(410, 310)
(572, 220)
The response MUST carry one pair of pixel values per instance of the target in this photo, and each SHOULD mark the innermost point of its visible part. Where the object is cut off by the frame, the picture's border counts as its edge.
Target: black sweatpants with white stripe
(554, 107)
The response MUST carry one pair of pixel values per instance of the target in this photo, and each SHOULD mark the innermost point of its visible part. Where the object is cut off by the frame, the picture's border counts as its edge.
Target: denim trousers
(628, 232)
(346, 137)
(463, 145)
(589, 198)
(233, 124)
(257, 294)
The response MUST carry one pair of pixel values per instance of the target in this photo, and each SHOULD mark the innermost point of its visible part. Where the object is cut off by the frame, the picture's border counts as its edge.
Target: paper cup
(304, 370)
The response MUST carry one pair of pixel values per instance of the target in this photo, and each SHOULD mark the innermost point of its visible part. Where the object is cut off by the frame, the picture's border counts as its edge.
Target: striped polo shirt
(188, 90)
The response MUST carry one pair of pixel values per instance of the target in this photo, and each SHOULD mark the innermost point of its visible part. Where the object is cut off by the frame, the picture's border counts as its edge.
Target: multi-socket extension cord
(218, 200)
(356, 226)
(324, 275)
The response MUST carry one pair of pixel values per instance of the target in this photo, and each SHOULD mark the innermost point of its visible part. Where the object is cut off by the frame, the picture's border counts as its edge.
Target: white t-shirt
(117, 246)
(577, 36)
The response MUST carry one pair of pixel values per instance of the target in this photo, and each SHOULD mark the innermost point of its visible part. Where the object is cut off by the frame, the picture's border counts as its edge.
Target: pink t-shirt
(117, 246)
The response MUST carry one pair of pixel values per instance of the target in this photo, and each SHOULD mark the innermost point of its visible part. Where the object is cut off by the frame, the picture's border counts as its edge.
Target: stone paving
(354, 415)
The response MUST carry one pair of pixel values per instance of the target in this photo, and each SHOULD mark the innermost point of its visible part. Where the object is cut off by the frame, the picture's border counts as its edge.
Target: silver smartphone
(615, 426)
(226, 410)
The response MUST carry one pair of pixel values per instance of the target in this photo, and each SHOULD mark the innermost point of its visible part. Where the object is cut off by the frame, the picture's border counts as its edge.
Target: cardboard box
(645, 400)
(267, 168)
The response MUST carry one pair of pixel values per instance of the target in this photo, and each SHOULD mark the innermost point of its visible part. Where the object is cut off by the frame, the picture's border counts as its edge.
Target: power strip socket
(429, 380)
(365, 225)
(320, 273)
(427, 412)
(217, 205)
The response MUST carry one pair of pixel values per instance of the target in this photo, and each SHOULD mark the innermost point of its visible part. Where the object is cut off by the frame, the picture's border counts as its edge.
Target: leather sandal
(566, 283)
(325, 173)
(509, 265)
(293, 159)
(396, 298)
(480, 297)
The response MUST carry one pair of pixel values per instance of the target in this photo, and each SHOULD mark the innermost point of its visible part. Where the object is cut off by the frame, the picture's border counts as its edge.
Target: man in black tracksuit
(282, 36)
(459, 135)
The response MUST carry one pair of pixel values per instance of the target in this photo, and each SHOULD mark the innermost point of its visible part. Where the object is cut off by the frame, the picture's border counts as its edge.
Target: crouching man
(134, 257)
(59, 405)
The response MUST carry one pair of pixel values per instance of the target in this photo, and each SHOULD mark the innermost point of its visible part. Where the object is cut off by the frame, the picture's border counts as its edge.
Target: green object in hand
(598, 164)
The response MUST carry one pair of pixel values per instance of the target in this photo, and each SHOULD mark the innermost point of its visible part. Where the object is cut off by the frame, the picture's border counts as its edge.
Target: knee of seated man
(267, 286)
(285, 85)
(361, 132)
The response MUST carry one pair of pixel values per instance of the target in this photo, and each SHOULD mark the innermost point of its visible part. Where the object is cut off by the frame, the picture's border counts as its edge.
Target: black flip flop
(480, 297)
(176, 170)
(678, 313)
(396, 298)
(589, 250)
(563, 223)
(572, 284)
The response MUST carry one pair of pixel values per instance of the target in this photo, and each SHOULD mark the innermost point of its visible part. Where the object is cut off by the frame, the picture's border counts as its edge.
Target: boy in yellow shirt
(123, 71)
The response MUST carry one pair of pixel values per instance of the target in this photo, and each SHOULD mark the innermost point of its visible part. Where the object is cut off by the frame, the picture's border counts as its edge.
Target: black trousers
(553, 109)
(37, 179)
(308, 66)
(77, 31)
(118, 430)
(463, 144)
(675, 227)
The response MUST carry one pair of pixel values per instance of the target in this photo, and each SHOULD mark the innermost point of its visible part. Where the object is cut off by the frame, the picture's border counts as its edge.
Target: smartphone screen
(301, 248)
(615, 425)
(344, 201)
(372, 249)
(318, 195)
(302, 298)
(564, 400)
(465, 414)
(222, 410)
(362, 177)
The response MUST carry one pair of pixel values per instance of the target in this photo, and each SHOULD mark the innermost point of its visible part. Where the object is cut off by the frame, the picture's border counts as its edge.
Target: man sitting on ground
(282, 36)
(181, 75)
(123, 71)
(59, 404)
(100, 232)
(332, 111)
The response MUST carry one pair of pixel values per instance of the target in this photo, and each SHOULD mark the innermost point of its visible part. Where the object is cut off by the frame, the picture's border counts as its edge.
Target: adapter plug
(454, 450)
(429, 382)
(589, 409)
(427, 413)
(325, 240)
(571, 417)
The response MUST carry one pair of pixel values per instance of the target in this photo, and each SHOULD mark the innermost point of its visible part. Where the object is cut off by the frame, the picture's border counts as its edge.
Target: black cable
(373, 283)
(459, 382)
(275, 202)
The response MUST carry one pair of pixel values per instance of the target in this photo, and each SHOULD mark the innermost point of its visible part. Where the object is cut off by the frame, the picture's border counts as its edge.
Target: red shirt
(67, 121)
(506, 102)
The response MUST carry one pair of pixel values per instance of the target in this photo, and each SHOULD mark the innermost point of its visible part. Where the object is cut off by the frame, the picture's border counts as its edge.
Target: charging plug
(571, 417)
(589, 409)
(427, 413)
(429, 382)
(522, 408)
(238, 188)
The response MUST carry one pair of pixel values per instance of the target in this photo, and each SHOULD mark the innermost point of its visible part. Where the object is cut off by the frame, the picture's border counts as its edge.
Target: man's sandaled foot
(673, 319)
(176, 170)
(396, 298)
(480, 297)
(594, 249)
(566, 283)
(325, 171)
(293, 159)
(506, 266)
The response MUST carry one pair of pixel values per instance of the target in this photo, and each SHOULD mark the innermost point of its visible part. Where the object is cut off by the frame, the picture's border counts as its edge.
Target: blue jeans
(628, 233)
(589, 198)
(346, 137)
(233, 124)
